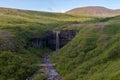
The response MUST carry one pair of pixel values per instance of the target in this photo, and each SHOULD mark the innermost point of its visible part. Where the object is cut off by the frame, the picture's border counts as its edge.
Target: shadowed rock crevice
(50, 40)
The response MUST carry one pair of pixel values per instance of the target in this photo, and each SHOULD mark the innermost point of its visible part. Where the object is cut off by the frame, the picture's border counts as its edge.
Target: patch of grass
(85, 58)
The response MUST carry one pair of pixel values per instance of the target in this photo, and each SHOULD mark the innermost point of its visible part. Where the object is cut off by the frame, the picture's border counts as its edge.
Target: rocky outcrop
(49, 40)
(66, 36)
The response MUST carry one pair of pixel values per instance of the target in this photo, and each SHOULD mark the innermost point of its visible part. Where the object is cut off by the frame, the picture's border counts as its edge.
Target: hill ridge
(95, 11)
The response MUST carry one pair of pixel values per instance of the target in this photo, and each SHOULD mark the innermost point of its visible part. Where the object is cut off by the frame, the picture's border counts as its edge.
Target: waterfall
(57, 40)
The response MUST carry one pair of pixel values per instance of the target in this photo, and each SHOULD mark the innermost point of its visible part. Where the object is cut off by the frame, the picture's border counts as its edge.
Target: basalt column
(54, 40)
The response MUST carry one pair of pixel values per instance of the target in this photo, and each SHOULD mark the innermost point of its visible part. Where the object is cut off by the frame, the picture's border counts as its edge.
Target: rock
(49, 40)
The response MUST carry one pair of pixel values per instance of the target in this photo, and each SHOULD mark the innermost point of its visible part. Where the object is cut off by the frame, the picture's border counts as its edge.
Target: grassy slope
(17, 57)
(94, 54)
(95, 11)
(17, 64)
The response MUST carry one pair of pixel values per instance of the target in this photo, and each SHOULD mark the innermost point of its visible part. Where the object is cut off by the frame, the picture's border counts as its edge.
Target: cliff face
(66, 36)
(50, 39)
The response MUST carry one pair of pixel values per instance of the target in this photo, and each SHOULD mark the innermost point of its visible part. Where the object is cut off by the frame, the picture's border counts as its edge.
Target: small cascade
(54, 39)
(57, 40)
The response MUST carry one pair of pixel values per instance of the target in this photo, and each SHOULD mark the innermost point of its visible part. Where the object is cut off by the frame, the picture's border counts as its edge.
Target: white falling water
(57, 40)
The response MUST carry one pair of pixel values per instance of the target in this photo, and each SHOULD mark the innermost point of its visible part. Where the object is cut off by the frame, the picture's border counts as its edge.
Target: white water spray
(57, 40)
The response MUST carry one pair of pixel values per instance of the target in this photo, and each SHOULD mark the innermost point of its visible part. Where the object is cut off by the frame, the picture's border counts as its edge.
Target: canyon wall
(49, 40)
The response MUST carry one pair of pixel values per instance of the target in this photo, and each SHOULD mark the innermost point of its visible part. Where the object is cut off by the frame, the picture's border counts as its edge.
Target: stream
(49, 69)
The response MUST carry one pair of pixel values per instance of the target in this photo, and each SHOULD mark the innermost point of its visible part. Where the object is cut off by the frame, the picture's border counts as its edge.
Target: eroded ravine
(47, 66)
(54, 40)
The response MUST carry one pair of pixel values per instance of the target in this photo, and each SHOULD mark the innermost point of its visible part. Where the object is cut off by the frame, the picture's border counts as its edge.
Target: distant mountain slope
(95, 11)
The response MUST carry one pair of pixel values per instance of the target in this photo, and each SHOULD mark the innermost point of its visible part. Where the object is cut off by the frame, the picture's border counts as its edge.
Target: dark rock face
(50, 39)
(66, 36)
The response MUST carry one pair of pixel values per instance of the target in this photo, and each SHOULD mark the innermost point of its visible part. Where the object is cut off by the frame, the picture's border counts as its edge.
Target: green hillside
(17, 56)
(94, 54)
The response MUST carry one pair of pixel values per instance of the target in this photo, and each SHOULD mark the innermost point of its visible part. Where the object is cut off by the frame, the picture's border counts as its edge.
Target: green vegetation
(16, 67)
(18, 58)
(40, 76)
(92, 55)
